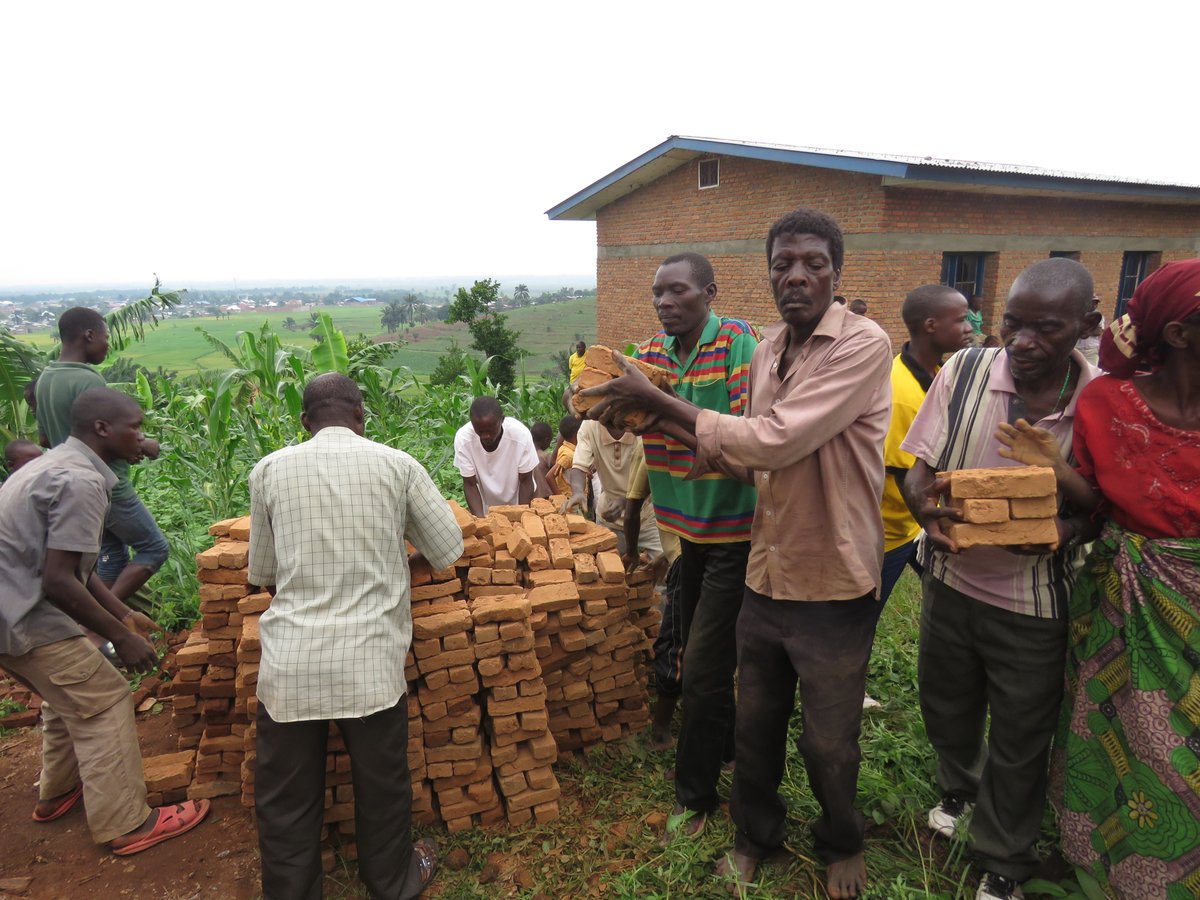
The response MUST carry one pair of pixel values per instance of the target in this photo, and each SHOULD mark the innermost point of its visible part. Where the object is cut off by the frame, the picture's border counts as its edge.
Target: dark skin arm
(473, 495)
(102, 616)
(923, 492)
(525, 489)
(577, 479)
(634, 391)
(633, 531)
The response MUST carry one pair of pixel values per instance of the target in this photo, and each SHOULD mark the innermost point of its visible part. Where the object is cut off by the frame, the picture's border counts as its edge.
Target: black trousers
(825, 646)
(289, 801)
(668, 646)
(976, 659)
(712, 579)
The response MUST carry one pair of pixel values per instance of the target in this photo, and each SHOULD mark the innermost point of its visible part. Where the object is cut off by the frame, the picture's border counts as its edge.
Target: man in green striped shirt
(709, 357)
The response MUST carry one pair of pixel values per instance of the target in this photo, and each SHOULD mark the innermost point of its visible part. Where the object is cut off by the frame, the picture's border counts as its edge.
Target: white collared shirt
(329, 518)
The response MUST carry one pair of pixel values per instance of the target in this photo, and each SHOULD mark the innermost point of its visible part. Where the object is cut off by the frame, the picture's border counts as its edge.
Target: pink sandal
(65, 806)
(172, 822)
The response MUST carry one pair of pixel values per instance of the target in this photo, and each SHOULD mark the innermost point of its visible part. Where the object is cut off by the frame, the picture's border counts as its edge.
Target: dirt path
(218, 859)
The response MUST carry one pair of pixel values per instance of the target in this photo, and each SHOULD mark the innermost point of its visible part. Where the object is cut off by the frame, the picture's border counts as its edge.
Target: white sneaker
(870, 702)
(997, 887)
(944, 818)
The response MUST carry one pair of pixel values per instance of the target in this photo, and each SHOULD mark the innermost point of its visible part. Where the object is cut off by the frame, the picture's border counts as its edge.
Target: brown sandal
(427, 860)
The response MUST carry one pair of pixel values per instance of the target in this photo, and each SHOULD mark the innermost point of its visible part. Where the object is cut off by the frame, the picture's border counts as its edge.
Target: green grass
(604, 844)
(176, 345)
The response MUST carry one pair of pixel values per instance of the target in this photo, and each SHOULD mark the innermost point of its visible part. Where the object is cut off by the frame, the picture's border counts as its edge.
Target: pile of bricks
(531, 644)
(600, 367)
(219, 732)
(1005, 506)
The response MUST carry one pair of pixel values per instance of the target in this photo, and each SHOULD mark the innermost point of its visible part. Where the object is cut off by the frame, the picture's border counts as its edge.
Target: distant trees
(411, 305)
(392, 317)
(491, 335)
(521, 295)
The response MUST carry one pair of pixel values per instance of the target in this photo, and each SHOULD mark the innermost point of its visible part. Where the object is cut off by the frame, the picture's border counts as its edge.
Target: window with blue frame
(963, 272)
(1135, 266)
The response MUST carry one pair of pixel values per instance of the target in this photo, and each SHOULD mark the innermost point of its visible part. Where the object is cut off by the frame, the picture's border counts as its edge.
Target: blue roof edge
(725, 148)
(882, 167)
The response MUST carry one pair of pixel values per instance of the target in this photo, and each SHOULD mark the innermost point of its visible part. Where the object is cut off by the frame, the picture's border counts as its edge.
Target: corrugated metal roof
(941, 162)
(895, 170)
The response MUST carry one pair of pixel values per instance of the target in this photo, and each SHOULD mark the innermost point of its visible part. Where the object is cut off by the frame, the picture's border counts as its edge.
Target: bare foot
(846, 877)
(47, 808)
(145, 828)
(683, 822)
(738, 869)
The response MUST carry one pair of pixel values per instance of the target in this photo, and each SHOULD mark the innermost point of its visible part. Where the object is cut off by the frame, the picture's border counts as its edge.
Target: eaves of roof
(894, 172)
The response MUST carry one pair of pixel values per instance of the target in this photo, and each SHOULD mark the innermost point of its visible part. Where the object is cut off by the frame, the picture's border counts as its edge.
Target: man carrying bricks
(709, 358)
(51, 519)
(496, 457)
(993, 619)
(812, 440)
(329, 519)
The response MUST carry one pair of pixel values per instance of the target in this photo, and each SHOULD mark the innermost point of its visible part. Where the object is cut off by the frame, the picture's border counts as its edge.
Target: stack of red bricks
(1012, 505)
(223, 583)
(531, 643)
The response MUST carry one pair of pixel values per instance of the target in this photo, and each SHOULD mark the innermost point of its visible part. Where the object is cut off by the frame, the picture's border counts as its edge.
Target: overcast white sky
(297, 142)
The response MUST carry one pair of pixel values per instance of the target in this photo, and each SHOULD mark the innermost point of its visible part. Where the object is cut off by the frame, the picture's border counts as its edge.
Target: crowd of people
(779, 489)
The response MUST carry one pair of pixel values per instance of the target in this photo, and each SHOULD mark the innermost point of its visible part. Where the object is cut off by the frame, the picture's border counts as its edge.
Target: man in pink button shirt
(812, 442)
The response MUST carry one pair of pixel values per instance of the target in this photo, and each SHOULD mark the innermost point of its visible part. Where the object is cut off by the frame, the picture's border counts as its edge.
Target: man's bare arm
(525, 488)
(69, 594)
(473, 494)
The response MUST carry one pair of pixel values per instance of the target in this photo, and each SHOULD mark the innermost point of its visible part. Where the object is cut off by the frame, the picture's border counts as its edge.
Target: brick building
(907, 222)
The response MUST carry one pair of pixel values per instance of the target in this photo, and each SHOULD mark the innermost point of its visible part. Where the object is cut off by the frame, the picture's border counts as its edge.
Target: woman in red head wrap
(1127, 757)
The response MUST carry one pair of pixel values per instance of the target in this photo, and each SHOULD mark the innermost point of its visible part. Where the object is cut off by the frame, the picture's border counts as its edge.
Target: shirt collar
(627, 437)
(832, 324)
(923, 378)
(712, 325)
(110, 478)
(1000, 378)
(333, 433)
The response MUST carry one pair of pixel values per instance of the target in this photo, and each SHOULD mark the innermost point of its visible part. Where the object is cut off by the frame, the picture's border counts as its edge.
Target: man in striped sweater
(709, 356)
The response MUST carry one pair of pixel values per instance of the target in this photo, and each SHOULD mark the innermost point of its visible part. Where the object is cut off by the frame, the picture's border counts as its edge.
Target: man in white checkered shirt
(329, 518)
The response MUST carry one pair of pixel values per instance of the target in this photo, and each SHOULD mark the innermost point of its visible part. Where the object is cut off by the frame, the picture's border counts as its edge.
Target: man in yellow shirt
(575, 360)
(936, 318)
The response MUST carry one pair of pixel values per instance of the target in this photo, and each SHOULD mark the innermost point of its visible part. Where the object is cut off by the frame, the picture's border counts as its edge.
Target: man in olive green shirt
(84, 337)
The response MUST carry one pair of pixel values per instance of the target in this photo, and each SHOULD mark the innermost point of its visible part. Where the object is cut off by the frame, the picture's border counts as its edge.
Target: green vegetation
(607, 842)
(8, 706)
(176, 346)
(216, 425)
(490, 333)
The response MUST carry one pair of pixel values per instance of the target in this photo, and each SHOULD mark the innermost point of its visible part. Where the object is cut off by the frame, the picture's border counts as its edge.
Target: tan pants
(88, 733)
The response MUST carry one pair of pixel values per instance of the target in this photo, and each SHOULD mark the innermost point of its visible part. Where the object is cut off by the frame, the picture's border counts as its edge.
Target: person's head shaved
(486, 408)
(100, 405)
(331, 396)
(1059, 278)
(927, 302)
(19, 453)
(75, 322)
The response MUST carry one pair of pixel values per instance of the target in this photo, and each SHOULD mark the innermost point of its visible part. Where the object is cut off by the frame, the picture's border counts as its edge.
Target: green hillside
(177, 345)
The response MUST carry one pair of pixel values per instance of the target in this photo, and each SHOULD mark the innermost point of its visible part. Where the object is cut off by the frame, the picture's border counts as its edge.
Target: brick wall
(753, 194)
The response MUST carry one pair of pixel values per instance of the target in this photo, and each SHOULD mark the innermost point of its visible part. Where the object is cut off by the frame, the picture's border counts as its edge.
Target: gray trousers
(977, 659)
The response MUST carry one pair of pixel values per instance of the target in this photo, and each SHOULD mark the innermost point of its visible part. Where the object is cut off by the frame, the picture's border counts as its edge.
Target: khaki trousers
(88, 733)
